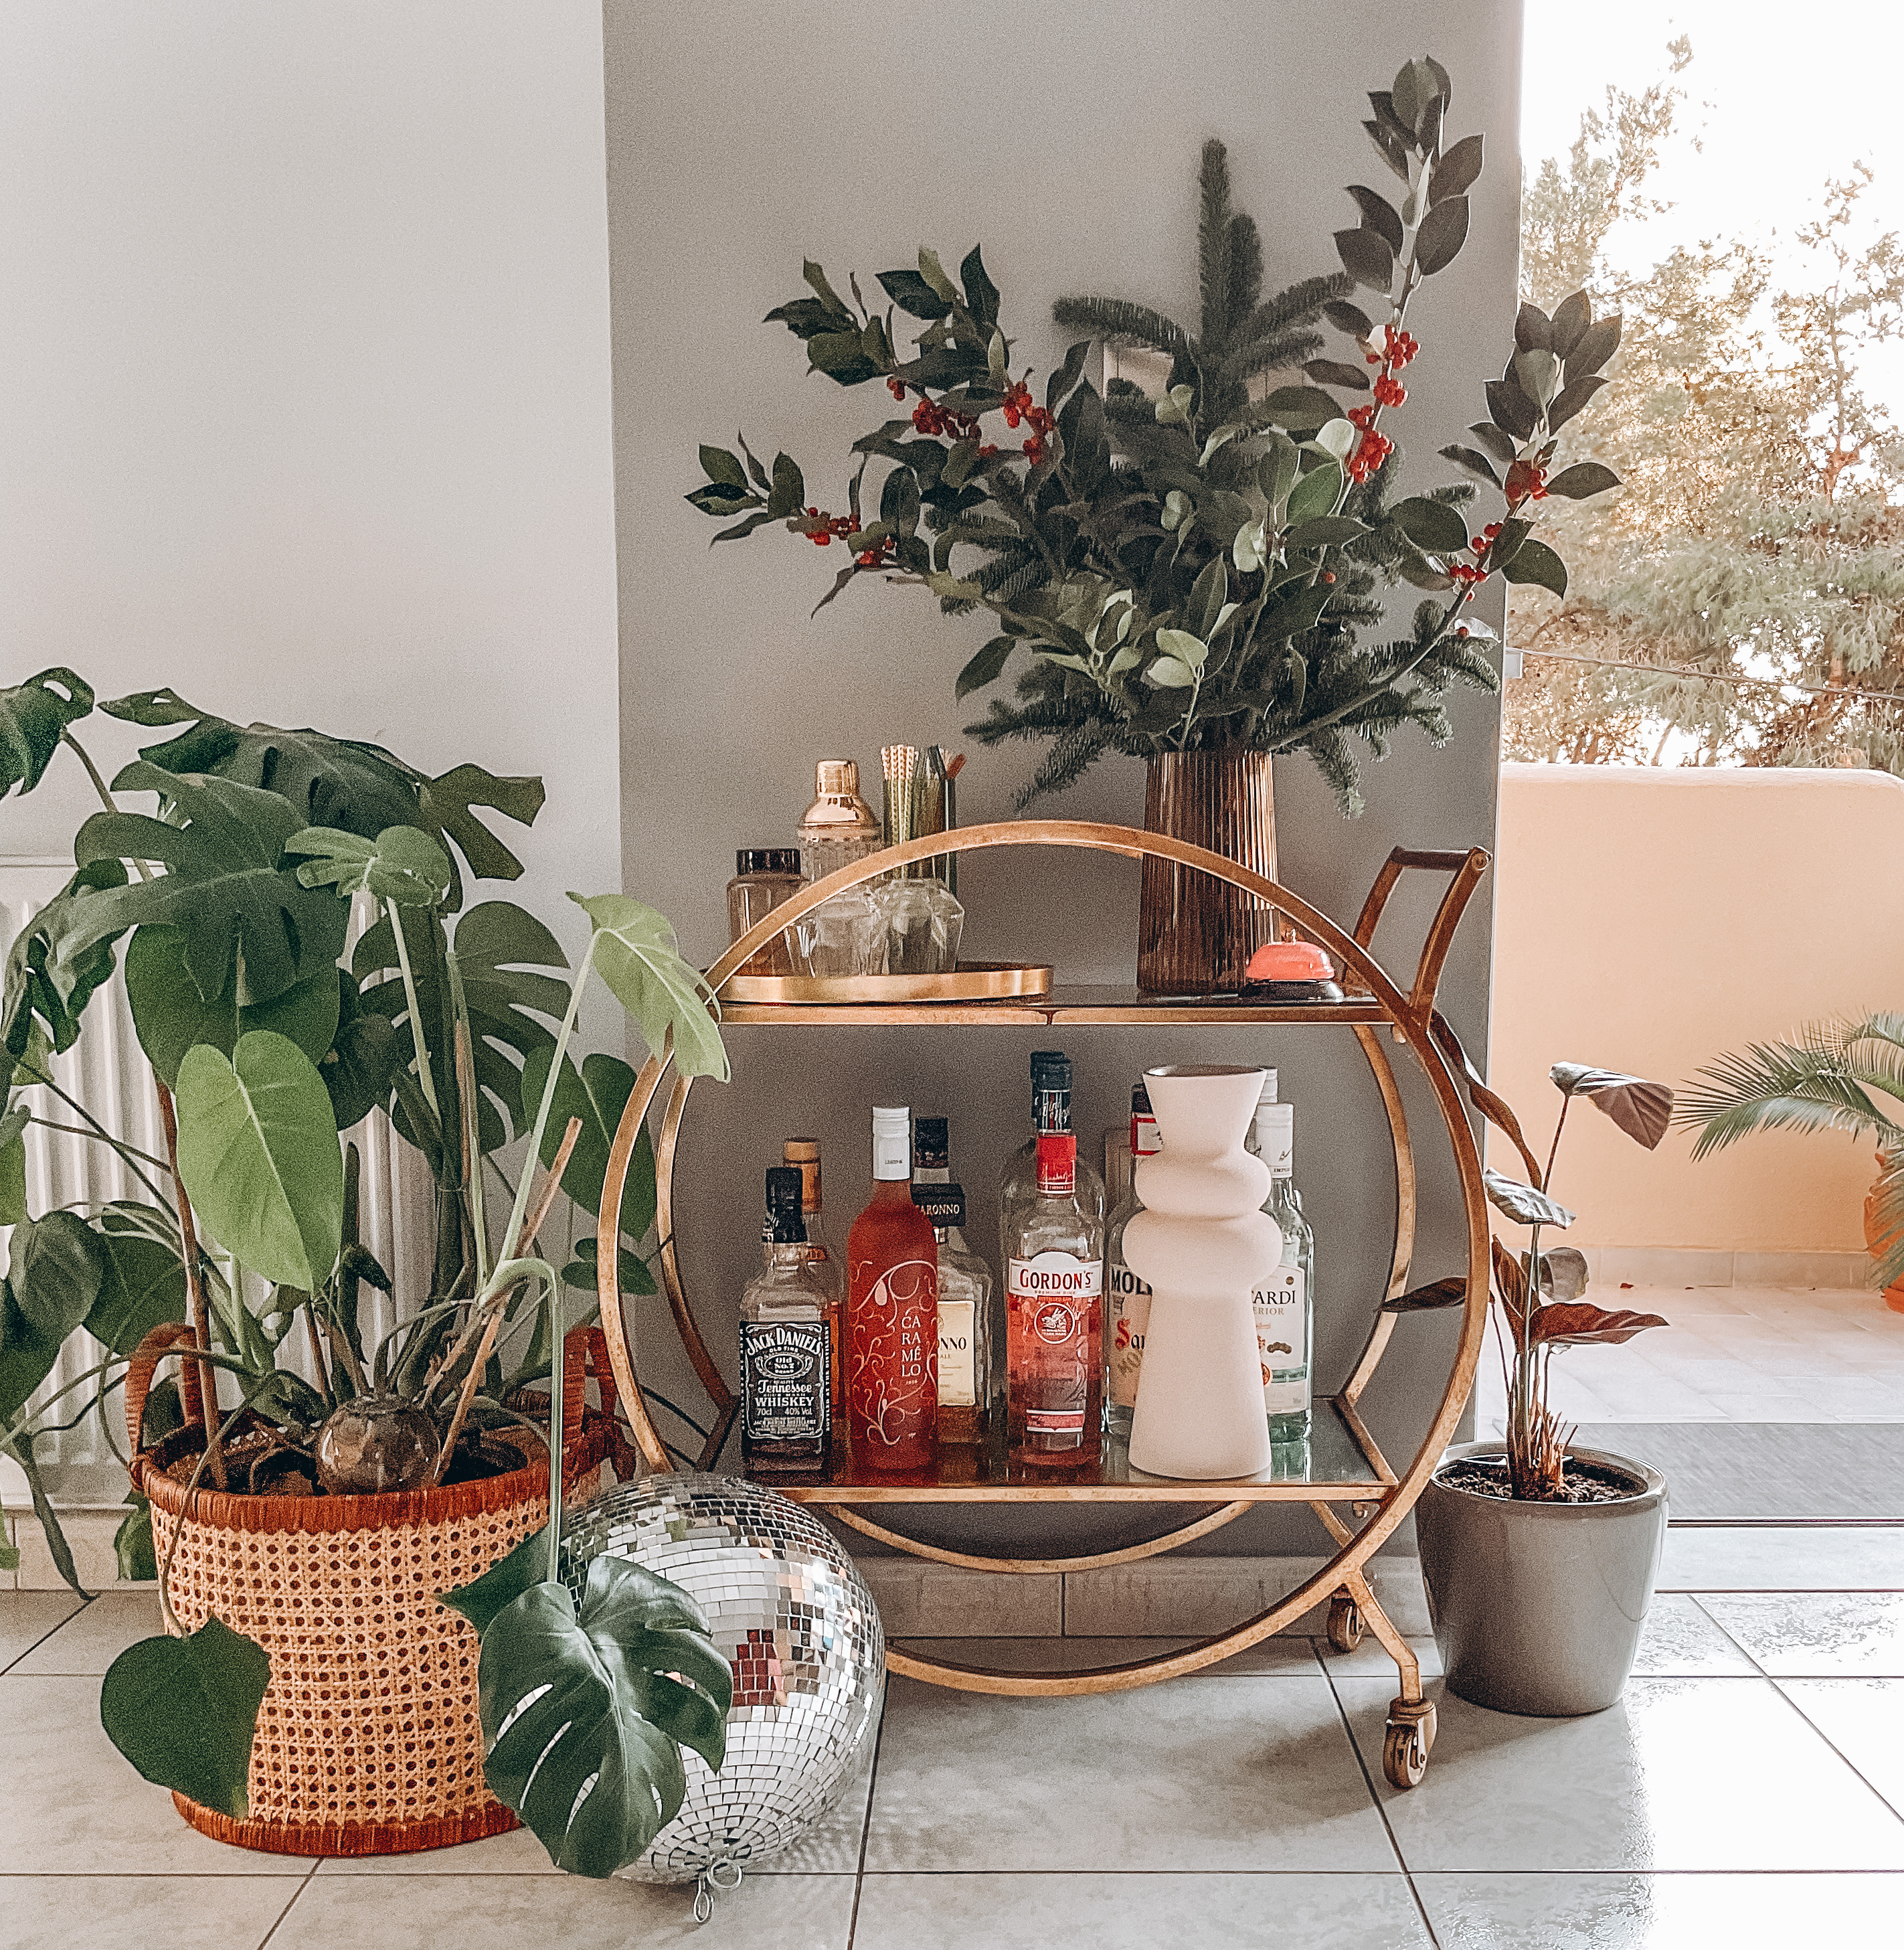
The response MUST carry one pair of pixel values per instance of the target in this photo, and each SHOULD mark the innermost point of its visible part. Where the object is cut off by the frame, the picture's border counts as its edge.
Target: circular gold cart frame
(1375, 1507)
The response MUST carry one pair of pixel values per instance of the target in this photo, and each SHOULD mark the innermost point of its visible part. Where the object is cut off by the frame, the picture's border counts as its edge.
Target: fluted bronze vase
(1196, 933)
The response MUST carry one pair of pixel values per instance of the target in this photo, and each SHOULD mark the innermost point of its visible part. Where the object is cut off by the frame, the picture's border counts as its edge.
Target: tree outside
(1742, 603)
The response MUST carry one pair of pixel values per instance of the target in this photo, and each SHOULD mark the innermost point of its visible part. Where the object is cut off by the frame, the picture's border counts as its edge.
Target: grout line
(27, 1651)
(1719, 1627)
(1368, 1781)
(865, 1827)
(290, 1904)
(1883, 1800)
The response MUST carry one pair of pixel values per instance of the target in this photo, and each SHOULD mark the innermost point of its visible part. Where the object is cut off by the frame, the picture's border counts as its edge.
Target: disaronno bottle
(1127, 1298)
(787, 1401)
(892, 1313)
(1054, 1285)
(1286, 1307)
(967, 1367)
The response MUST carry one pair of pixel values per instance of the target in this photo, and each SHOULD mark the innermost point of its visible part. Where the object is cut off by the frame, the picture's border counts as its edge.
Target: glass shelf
(1064, 1005)
(1333, 1465)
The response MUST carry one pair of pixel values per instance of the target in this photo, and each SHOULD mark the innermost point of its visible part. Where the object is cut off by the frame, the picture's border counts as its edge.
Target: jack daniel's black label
(785, 1397)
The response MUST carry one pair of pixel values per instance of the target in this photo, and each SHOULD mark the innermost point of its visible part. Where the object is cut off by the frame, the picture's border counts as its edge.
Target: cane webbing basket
(369, 1740)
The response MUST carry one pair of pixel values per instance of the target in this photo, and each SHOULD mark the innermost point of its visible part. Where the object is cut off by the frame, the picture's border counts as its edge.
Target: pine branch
(1245, 276)
(1115, 322)
(1213, 242)
(1296, 305)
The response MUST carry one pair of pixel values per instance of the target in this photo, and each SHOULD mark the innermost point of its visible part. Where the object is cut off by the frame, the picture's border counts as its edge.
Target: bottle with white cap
(892, 1308)
(1285, 1303)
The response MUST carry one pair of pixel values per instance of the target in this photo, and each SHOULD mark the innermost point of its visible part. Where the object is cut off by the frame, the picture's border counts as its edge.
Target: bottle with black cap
(1019, 1178)
(786, 1400)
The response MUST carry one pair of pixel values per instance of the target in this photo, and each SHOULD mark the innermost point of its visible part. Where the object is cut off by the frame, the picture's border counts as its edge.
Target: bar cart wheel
(1404, 1754)
(1345, 1625)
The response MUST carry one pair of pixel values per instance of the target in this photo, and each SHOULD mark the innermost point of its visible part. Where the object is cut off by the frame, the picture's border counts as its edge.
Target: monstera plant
(272, 1034)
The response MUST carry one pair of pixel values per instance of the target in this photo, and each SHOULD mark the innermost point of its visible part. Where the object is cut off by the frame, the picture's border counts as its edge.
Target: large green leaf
(56, 1265)
(402, 864)
(171, 1017)
(42, 985)
(597, 1094)
(225, 885)
(363, 1058)
(13, 1164)
(184, 1712)
(636, 955)
(142, 1286)
(581, 1711)
(32, 717)
(258, 1152)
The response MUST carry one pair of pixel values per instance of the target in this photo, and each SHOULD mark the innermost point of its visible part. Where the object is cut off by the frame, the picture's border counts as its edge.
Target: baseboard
(1693, 1265)
(89, 1535)
(1160, 1597)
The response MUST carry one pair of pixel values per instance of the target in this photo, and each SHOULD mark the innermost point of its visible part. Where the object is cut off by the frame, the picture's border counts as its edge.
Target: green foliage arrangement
(270, 1037)
(1199, 569)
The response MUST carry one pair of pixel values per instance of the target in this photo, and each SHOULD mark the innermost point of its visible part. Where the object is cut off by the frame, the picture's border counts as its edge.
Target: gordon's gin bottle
(1054, 1287)
(892, 1308)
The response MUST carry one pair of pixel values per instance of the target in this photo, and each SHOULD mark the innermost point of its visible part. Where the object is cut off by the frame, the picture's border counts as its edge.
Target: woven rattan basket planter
(369, 1741)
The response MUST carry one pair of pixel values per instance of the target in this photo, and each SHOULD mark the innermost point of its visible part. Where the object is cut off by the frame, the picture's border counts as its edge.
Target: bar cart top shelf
(1063, 1004)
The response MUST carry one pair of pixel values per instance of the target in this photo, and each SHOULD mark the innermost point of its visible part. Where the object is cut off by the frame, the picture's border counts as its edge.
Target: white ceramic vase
(1203, 1243)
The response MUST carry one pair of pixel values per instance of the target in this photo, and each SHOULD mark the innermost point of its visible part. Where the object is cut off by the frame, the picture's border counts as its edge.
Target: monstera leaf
(184, 1712)
(45, 986)
(597, 1094)
(1522, 1203)
(52, 1280)
(32, 717)
(636, 953)
(1642, 1109)
(142, 1286)
(226, 886)
(342, 782)
(171, 1016)
(258, 1153)
(401, 864)
(361, 1059)
(582, 1709)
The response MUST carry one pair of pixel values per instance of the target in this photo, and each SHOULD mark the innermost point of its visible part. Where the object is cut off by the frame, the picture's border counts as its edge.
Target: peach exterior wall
(1647, 920)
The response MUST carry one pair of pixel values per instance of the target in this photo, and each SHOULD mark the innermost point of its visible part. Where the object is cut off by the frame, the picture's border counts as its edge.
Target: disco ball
(788, 1609)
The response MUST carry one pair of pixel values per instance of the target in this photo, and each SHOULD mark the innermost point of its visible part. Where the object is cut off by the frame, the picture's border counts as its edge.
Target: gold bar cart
(1348, 1484)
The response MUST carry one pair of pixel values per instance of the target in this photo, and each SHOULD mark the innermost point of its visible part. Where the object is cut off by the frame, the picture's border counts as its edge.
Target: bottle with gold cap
(829, 1267)
(846, 935)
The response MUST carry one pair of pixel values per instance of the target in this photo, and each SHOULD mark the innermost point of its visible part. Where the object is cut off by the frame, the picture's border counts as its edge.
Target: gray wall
(1065, 138)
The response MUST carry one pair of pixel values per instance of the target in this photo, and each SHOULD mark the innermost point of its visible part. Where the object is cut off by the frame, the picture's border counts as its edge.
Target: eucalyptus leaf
(1315, 494)
(985, 668)
(184, 1712)
(1522, 1203)
(637, 955)
(1300, 408)
(258, 1155)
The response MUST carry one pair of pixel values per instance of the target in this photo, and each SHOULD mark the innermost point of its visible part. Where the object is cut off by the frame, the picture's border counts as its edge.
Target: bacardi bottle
(1285, 1307)
(1054, 1257)
(967, 1331)
(1127, 1298)
(892, 1313)
(830, 1269)
(786, 1400)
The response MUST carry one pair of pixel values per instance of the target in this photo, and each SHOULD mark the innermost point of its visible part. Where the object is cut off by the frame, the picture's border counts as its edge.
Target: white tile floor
(1730, 1353)
(1747, 1792)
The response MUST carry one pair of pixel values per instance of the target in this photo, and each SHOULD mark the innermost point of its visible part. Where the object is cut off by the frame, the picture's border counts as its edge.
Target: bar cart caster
(1349, 1484)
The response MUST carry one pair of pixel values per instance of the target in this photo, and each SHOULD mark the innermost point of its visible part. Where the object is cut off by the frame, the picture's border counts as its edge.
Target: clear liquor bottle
(786, 1402)
(828, 1266)
(1054, 1289)
(1127, 1298)
(969, 1330)
(892, 1313)
(1285, 1306)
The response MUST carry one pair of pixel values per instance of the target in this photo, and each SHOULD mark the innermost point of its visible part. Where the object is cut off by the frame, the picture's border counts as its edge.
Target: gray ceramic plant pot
(1537, 1607)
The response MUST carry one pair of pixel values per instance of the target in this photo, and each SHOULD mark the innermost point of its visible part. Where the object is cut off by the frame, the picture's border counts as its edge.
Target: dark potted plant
(1539, 1558)
(347, 1473)
(1193, 576)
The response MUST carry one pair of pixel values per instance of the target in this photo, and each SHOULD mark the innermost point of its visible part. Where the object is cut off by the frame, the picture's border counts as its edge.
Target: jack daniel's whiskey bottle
(785, 1357)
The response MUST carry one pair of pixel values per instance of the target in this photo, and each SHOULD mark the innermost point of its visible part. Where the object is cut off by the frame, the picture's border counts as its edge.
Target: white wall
(303, 324)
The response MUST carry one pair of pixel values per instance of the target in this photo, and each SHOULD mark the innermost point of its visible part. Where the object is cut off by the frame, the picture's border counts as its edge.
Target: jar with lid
(846, 935)
(764, 877)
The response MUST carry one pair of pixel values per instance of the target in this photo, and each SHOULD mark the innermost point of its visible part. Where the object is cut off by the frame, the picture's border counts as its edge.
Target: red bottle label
(1057, 1164)
(892, 1380)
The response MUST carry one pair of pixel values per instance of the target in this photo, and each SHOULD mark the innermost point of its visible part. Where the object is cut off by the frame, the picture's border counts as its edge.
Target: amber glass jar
(764, 877)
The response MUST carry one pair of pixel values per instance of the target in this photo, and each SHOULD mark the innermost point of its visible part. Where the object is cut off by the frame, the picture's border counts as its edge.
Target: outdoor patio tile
(1864, 1719)
(565, 1913)
(1816, 1634)
(1680, 1774)
(70, 1803)
(90, 1640)
(1732, 1558)
(27, 1617)
(108, 1912)
(1195, 1774)
(1075, 1655)
(1655, 1912)
(1680, 1640)
(1138, 1912)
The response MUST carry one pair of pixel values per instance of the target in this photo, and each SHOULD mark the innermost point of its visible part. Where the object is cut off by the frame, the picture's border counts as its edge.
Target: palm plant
(1845, 1074)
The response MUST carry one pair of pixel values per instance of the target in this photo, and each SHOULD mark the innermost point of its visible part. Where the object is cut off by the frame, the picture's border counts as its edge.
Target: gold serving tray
(970, 982)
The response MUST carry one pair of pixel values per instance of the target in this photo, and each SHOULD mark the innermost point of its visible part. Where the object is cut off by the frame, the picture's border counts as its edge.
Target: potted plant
(1846, 1074)
(313, 1695)
(1193, 578)
(1539, 1557)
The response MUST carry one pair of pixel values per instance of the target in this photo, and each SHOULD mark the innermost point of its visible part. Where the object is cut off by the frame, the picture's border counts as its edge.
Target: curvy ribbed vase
(1196, 933)
(1203, 1243)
